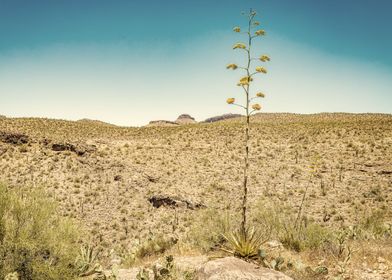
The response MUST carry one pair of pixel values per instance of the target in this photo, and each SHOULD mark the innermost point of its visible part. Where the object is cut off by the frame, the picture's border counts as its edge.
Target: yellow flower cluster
(256, 107)
(232, 66)
(244, 81)
(239, 46)
(256, 23)
(260, 94)
(230, 100)
(265, 58)
(261, 70)
(237, 29)
(260, 32)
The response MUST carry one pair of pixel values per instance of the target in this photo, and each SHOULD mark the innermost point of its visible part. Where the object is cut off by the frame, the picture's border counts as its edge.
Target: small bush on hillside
(35, 242)
(295, 235)
(153, 246)
(166, 271)
(207, 232)
(375, 225)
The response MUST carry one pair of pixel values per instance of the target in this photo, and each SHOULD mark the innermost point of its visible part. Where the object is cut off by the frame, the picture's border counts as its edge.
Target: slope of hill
(108, 177)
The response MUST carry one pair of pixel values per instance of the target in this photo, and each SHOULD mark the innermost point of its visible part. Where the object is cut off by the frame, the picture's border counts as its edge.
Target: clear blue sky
(129, 62)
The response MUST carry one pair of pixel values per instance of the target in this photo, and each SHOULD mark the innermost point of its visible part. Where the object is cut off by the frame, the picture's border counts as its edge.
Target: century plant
(250, 69)
(86, 262)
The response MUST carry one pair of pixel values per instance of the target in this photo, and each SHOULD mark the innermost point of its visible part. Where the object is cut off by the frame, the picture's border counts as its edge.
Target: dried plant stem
(247, 129)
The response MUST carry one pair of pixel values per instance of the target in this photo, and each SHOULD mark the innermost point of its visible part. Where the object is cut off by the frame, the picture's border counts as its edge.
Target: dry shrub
(295, 234)
(35, 242)
(206, 233)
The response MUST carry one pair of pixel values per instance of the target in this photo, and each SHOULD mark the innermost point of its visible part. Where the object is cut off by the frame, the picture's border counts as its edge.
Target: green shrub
(294, 234)
(166, 271)
(153, 246)
(207, 231)
(374, 225)
(307, 236)
(35, 242)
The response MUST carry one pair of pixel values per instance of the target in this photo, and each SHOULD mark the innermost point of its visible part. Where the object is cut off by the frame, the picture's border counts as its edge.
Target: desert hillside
(127, 185)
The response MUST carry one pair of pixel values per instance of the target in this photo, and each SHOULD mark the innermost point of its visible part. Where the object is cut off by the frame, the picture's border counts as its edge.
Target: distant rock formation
(182, 119)
(222, 117)
(2, 117)
(185, 119)
(162, 123)
(94, 122)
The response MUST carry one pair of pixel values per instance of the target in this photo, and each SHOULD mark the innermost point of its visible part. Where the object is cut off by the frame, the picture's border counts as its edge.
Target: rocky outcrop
(162, 123)
(222, 117)
(13, 138)
(88, 121)
(231, 268)
(2, 117)
(174, 202)
(182, 119)
(185, 119)
(80, 150)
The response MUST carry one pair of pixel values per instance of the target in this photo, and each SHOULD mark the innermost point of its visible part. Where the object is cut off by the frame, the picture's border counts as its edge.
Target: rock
(192, 263)
(274, 244)
(80, 150)
(185, 119)
(299, 266)
(162, 123)
(2, 117)
(231, 268)
(97, 122)
(13, 138)
(222, 117)
(381, 260)
(173, 202)
(129, 274)
(117, 178)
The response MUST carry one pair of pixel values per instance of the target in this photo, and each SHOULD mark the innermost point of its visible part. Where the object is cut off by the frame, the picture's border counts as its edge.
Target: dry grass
(108, 187)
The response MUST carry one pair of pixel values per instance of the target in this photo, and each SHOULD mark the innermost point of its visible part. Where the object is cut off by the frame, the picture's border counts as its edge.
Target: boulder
(185, 119)
(80, 149)
(231, 268)
(174, 202)
(13, 138)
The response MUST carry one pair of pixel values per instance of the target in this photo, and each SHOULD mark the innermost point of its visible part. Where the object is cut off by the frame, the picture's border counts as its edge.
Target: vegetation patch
(35, 242)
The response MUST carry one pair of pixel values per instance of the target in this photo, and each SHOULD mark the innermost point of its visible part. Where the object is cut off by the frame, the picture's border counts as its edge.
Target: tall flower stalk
(252, 31)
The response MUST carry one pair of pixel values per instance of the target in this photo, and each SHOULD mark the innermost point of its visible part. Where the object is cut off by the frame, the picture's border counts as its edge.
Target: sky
(130, 62)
